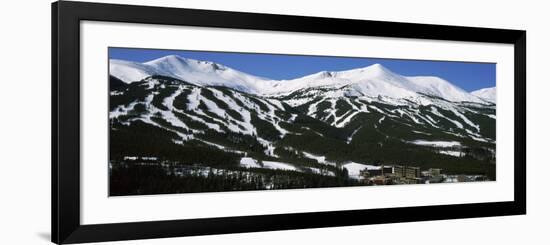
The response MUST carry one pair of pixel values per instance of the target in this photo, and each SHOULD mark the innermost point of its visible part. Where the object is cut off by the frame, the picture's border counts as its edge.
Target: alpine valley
(182, 125)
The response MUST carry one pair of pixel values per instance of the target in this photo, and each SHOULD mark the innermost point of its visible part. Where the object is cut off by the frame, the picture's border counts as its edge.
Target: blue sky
(467, 75)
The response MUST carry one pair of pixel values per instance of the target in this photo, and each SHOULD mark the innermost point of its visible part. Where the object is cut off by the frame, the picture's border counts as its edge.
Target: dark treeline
(136, 179)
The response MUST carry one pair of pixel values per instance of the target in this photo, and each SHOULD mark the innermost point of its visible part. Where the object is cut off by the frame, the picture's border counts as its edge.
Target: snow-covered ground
(354, 169)
(489, 94)
(319, 159)
(248, 162)
(420, 132)
(436, 143)
(452, 153)
(279, 165)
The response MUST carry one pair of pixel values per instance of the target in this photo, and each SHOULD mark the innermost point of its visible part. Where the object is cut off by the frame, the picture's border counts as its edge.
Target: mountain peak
(176, 60)
(171, 59)
(173, 56)
(488, 94)
(377, 66)
(375, 70)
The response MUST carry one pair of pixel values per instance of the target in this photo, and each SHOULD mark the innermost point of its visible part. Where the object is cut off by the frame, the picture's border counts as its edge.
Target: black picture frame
(66, 18)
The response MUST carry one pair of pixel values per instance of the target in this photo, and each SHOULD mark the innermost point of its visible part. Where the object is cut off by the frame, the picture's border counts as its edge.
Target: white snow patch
(292, 117)
(193, 99)
(122, 110)
(319, 159)
(436, 143)
(478, 139)
(249, 162)
(354, 169)
(420, 132)
(278, 165)
(381, 119)
(376, 109)
(347, 118)
(452, 153)
(270, 151)
(350, 138)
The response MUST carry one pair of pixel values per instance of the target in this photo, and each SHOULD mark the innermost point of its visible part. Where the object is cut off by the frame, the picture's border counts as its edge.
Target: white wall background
(25, 120)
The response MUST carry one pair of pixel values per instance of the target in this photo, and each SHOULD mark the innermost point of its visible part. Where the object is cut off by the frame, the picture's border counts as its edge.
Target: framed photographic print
(176, 122)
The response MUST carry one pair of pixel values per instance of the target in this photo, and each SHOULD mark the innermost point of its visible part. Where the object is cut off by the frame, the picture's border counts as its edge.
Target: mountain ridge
(372, 80)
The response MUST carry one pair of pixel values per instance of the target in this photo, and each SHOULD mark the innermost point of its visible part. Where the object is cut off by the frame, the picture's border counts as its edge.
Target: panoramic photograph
(184, 121)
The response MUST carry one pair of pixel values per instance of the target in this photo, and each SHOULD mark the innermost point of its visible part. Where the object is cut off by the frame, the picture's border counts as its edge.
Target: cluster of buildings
(397, 174)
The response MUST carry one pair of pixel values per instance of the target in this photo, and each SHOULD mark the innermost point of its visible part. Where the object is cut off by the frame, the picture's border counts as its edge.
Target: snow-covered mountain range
(179, 108)
(373, 80)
